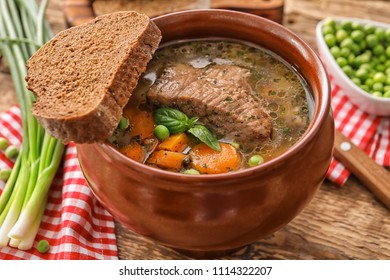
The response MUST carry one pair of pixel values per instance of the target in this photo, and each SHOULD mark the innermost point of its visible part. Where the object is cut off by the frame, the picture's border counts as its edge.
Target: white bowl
(364, 100)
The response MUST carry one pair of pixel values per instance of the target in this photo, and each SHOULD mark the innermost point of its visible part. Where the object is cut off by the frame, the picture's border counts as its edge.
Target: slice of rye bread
(85, 75)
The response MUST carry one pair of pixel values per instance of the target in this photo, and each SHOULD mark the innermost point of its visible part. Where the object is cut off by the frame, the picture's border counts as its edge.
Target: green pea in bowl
(356, 54)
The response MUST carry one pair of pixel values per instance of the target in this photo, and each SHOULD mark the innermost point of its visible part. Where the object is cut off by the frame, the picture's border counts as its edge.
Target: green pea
(361, 59)
(161, 132)
(387, 51)
(123, 124)
(338, 27)
(347, 43)
(362, 45)
(235, 145)
(368, 53)
(356, 26)
(357, 36)
(342, 61)
(369, 28)
(379, 77)
(4, 174)
(380, 67)
(366, 57)
(380, 33)
(377, 93)
(43, 246)
(362, 74)
(329, 21)
(387, 35)
(366, 66)
(191, 172)
(11, 152)
(330, 40)
(377, 87)
(347, 69)
(255, 160)
(378, 49)
(383, 59)
(387, 82)
(327, 29)
(346, 24)
(356, 81)
(364, 87)
(387, 94)
(351, 59)
(372, 40)
(355, 48)
(335, 51)
(3, 143)
(341, 35)
(369, 82)
(345, 52)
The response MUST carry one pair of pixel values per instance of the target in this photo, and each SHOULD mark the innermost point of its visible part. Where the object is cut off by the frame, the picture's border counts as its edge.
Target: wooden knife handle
(374, 176)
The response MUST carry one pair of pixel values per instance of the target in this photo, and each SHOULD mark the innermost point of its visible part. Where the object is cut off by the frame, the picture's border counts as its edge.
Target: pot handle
(374, 176)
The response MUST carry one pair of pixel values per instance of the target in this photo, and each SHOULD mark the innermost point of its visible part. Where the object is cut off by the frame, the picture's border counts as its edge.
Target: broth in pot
(213, 106)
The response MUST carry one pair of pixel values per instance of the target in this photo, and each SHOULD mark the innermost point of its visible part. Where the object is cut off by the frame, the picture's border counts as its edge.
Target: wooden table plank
(340, 223)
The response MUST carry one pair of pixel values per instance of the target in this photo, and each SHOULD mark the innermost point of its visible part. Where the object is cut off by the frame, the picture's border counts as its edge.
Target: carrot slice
(141, 122)
(209, 161)
(175, 143)
(167, 159)
(134, 151)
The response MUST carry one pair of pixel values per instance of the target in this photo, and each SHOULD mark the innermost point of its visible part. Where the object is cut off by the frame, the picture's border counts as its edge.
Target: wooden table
(339, 223)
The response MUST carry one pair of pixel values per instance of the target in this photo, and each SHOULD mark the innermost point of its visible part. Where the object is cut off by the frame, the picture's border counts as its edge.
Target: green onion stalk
(23, 29)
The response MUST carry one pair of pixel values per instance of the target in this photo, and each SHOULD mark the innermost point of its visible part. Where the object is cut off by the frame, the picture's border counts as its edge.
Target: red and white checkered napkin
(369, 132)
(74, 223)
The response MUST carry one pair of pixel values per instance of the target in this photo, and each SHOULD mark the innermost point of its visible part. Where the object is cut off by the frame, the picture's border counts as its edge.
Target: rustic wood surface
(339, 223)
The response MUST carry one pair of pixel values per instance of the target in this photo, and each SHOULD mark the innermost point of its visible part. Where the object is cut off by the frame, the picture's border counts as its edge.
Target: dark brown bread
(85, 75)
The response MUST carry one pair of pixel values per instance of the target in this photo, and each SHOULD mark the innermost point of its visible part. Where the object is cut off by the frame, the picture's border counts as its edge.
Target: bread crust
(104, 105)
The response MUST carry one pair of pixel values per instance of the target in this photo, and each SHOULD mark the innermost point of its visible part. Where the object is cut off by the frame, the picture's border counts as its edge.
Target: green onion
(23, 28)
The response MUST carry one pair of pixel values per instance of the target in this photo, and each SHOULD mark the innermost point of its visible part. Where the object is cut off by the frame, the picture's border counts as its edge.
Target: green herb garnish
(203, 134)
(176, 121)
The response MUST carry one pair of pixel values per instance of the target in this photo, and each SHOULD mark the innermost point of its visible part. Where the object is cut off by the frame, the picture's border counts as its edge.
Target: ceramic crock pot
(218, 213)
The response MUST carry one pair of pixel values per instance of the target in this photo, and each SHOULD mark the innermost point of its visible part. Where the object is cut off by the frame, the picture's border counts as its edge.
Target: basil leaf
(175, 120)
(203, 134)
(192, 121)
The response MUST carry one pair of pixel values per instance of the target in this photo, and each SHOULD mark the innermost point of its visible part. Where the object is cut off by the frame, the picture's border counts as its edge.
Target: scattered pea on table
(3, 143)
(11, 152)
